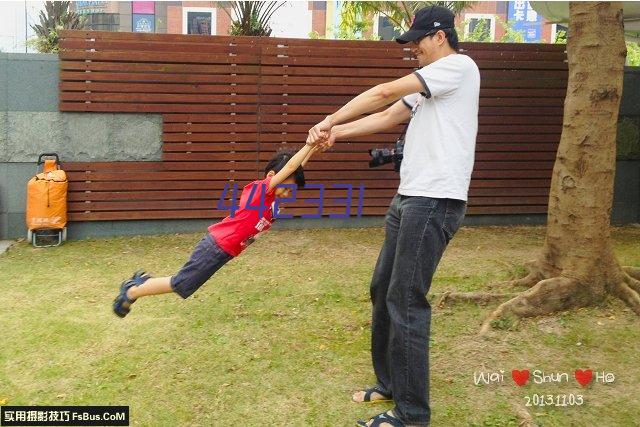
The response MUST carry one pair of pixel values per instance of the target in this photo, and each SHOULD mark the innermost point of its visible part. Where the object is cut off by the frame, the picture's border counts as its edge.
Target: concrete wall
(626, 200)
(630, 105)
(31, 124)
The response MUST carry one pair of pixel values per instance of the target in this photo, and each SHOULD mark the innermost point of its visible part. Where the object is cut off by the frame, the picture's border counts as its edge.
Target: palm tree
(251, 17)
(400, 13)
(55, 17)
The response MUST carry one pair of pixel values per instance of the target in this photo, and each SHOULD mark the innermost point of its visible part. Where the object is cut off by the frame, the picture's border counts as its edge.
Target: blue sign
(143, 23)
(91, 6)
(525, 20)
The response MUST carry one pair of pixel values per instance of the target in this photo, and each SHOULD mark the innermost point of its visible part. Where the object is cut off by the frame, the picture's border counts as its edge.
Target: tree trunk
(577, 265)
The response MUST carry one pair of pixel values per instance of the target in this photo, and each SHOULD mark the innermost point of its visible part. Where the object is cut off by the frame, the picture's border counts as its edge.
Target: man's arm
(397, 113)
(374, 98)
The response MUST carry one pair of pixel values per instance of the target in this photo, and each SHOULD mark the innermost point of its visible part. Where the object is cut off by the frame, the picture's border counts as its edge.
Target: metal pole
(25, 26)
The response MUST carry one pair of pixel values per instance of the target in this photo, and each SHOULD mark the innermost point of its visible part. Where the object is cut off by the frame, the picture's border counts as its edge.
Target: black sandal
(383, 418)
(118, 303)
(138, 278)
(375, 389)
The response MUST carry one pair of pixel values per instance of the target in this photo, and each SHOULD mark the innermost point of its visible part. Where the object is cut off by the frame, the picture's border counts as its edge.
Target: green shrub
(633, 54)
(628, 139)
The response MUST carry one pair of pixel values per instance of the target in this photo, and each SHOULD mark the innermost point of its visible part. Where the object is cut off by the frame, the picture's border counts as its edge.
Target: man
(442, 100)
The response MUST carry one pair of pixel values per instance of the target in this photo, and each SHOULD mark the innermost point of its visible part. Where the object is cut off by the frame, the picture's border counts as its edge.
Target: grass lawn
(280, 336)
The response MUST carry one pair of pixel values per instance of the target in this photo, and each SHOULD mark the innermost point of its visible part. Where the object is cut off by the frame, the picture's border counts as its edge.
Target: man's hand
(328, 140)
(319, 132)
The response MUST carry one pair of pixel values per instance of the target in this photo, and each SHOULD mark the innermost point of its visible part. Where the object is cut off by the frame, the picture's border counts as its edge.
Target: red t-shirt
(231, 234)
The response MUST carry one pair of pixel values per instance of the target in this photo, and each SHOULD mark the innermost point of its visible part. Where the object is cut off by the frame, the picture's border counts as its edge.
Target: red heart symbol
(520, 377)
(583, 377)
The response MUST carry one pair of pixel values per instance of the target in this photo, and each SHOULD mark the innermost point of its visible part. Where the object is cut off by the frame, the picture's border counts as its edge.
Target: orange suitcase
(46, 215)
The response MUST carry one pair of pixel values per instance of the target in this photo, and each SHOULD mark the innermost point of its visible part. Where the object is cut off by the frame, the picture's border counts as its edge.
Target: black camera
(382, 156)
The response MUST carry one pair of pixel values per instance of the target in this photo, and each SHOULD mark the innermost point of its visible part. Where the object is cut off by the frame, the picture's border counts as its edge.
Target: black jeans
(417, 232)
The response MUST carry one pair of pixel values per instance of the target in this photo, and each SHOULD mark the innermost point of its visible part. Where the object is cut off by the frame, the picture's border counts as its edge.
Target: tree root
(630, 296)
(633, 283)
(547, 296)
(524, 417)
(561, 293)
(633, 272)
(528, 281)
(479, 297)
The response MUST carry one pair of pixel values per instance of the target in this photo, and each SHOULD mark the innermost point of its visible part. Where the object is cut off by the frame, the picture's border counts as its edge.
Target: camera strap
(413, 113)
(404, 132)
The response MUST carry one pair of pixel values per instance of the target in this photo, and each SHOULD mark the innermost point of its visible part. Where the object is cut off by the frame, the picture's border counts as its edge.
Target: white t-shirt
(441, 139)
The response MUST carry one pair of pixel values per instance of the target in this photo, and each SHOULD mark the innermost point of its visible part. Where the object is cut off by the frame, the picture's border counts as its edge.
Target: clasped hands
(321, 135)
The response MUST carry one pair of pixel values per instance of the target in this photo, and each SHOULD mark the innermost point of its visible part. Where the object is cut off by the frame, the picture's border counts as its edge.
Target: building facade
(495, 19)
(303, 19)
(293, 19)
(498, 16)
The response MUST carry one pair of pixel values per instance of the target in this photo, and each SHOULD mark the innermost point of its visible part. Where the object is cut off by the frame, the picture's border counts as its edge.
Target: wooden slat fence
(229, 103)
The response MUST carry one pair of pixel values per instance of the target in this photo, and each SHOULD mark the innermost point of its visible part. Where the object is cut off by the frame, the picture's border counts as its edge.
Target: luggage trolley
(47, 203)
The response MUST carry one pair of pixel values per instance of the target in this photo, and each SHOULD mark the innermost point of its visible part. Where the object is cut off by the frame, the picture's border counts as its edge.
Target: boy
(226, 239)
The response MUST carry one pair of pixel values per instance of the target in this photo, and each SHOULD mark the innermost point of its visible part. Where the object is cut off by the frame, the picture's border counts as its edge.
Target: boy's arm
(311, 153)
(291, 166)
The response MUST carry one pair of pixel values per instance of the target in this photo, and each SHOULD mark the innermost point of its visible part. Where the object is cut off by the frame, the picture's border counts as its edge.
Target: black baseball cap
(427, 21)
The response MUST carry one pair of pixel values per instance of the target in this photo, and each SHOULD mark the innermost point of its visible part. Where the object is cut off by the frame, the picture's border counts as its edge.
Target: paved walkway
(4, 245)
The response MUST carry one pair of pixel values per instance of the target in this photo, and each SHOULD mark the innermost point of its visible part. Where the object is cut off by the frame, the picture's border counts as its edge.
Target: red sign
(147, 7)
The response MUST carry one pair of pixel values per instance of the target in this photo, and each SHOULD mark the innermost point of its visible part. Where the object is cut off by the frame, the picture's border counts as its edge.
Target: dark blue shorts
(205, 260)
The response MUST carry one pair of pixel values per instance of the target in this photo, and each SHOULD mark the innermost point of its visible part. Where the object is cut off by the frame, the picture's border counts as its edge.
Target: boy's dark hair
(452, 37)
(279, 160)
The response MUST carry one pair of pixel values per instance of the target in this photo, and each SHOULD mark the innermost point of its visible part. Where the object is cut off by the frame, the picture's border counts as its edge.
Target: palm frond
(399, 13)
(56, 16)
(252, 17)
